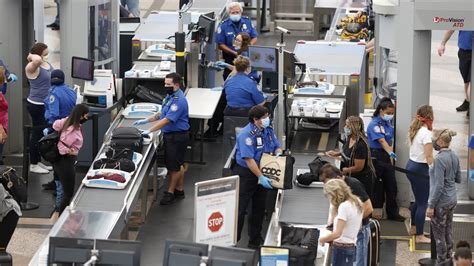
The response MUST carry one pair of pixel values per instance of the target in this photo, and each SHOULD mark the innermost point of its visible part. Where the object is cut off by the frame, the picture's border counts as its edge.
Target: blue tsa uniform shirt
(228, 30)
(465, 40)
(241, 92)
(377, 129)
(252, 143)
(59, 103)
(3, 87)
(175, 109)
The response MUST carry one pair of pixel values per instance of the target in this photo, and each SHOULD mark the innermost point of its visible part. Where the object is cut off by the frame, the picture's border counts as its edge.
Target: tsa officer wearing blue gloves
(10, 77)
(241, 91)
(174, 124)
(229, 29)
(58, 104)
(254, 139)
(380, 134)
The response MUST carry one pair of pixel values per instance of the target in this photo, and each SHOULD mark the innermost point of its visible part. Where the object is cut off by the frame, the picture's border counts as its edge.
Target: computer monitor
(82, 68)
(289, 61)
(274, 256)
(179, 253)
(264, 58)
(78, 250)
(230, 256)
(207, 25)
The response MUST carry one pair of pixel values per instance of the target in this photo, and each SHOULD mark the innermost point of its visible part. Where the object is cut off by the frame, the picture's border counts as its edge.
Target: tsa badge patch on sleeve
(379, 129)
(174, 107)
(52, 99)
(248, 142)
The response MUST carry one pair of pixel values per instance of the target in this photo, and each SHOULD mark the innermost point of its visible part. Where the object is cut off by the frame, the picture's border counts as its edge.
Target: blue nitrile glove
(146, 132)
(393, 155)
(45, 131)
(221, 64)
(12, 78)
(141, 122)
(217, 89)
(265, 182)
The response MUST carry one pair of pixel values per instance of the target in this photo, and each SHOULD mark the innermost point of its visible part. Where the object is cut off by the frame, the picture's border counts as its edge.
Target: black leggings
(7, 227)
(37, 119)
(65, 168)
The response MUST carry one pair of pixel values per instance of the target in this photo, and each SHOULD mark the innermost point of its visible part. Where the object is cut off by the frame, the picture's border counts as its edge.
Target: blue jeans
(421, 189)
(362, 246)
(133, 6)
(343, 256)
(59, 194)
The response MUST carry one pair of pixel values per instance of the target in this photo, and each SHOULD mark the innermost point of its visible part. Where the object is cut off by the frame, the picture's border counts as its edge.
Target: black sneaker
(52, 25)
(56, 28)
(51, 185)
(396, 217)
(255, 243)
(168, 198)
(178, 194)
(463, 107)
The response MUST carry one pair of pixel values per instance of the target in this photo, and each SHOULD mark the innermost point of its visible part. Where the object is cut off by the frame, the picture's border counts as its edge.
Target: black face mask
(169, 89)
(83, 120)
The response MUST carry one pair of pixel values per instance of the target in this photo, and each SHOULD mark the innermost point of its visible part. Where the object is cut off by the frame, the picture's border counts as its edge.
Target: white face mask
(45, 58)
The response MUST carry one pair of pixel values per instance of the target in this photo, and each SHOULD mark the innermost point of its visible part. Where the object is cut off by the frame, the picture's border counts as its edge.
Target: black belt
(176, 132)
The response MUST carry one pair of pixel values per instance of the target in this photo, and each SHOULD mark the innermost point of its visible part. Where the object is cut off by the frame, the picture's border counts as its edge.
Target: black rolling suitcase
(373, 258)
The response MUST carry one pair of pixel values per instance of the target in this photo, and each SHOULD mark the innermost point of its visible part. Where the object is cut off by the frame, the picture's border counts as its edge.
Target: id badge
(259, 142)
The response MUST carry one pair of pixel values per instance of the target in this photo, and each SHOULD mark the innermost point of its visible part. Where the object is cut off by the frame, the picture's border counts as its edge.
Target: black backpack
(48, 147)
(127, 138)
(14, 184)
(143, 94)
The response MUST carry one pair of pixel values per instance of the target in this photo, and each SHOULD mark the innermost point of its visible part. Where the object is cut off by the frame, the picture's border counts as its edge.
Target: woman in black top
(355, 155)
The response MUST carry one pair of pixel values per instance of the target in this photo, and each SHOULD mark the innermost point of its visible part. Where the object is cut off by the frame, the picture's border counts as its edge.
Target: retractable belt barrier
(399, 169)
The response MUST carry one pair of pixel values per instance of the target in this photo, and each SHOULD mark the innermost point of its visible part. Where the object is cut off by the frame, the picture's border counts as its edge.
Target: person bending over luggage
(173, 121)
(58, 104)
(9, 214)
(241, 91)
(71, 139)
(253, 140)
(356, 160)
(347, 210)
(328, 172)
(421, 156)
(463, 254)
(446, 171)
(380, 133)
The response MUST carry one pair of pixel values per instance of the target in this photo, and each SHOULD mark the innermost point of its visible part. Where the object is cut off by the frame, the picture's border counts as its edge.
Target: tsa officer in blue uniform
(380, 134)
(173, 121)
(58, 104)
(229, 29)
(254, 139)
(241, 91)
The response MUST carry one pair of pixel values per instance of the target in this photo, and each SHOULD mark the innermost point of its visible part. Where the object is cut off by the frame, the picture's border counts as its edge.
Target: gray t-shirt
(7, 203)
(446, 171)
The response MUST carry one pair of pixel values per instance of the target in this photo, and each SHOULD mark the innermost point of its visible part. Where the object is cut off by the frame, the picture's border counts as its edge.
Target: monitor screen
(207, 25)
(274, 256)
(179, 253)
(264, 58)
(222, 256)
(82, 68)
(69, 250)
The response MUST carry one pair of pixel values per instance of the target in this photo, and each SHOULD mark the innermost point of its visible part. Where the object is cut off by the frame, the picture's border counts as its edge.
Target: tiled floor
(446, 94)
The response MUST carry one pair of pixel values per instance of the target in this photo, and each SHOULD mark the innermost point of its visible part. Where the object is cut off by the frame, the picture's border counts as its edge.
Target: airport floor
(176, 221)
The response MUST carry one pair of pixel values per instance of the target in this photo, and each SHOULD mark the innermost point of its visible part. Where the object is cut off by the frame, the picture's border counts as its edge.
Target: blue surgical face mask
(266, 122)
(235, 18)
(347, 131)
(387, 117)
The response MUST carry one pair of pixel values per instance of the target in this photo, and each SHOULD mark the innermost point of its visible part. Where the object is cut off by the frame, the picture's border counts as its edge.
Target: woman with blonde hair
(347, 210)
(421, 157)
(356, 160)
(446, 171)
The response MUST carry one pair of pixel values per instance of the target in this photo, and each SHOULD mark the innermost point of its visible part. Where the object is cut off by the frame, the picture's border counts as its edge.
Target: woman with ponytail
(421, 157)
(380, 133)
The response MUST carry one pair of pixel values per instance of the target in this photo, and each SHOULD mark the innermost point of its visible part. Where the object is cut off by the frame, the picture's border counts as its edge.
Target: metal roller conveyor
(103, 213)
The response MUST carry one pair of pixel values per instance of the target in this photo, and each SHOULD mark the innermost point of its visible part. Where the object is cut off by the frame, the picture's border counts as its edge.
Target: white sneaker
(49, 168)
(34, 168)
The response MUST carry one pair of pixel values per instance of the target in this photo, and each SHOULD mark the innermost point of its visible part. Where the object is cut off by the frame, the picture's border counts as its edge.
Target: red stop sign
(215, 221)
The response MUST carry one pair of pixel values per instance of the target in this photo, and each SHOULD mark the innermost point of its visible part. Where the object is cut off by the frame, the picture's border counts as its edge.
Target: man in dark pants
(174, 124)
(254, 139)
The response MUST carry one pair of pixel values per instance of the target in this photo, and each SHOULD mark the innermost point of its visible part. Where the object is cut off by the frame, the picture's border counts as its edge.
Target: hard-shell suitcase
(373, 257)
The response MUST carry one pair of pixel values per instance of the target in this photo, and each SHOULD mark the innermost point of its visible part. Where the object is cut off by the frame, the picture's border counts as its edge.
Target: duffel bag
(127, 137)
(120, 164)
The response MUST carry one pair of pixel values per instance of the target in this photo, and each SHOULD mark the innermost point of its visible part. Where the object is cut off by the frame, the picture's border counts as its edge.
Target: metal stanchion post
(432, 259)
(28, 205)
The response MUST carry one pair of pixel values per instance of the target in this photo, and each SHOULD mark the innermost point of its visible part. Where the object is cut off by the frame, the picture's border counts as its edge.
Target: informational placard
(274, 256)
(215, 211)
